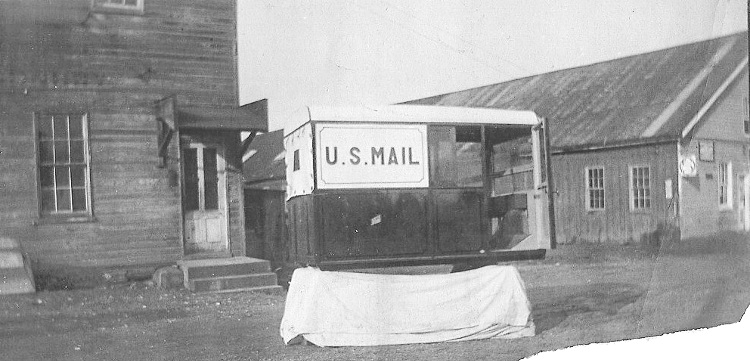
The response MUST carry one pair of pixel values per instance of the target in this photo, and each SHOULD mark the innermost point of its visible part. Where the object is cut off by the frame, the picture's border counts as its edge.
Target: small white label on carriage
(375, 220)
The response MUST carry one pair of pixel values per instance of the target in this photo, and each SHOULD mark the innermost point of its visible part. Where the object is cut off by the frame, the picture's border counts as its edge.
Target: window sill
(640, 211)
(50, 220)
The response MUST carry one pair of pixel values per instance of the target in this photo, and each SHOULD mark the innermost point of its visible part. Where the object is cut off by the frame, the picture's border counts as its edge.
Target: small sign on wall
(706, 151)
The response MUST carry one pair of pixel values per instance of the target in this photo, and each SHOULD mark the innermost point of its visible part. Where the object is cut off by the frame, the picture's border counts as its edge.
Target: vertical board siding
(617, 223)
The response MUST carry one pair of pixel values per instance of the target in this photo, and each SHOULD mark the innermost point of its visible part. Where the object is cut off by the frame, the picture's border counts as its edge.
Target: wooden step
(229, 283)
(230, 274)
(219, 267)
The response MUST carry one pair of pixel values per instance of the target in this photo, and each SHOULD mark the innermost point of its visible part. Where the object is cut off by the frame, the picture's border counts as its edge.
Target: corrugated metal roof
(267, 162)
(628, 100)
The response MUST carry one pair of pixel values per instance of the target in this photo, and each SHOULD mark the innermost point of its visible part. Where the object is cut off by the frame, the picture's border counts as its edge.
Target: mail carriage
(416, 185)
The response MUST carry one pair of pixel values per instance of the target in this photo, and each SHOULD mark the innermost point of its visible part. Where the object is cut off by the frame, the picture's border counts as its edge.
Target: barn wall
(617, 223)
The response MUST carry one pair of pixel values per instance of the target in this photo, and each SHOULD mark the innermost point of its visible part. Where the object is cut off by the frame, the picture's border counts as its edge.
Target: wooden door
(205, 198)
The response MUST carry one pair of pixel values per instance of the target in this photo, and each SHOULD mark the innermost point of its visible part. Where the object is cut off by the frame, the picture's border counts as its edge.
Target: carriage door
(205, 198)
(518, 205)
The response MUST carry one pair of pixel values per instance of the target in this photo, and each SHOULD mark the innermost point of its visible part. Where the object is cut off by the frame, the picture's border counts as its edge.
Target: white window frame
(647, 194)
(599, 187)
(724, 186)
(58, 213)
(117, 6)
(746, 116)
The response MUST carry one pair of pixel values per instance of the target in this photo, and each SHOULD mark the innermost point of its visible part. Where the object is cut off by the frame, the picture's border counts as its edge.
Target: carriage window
(456, 157)
(511, 164)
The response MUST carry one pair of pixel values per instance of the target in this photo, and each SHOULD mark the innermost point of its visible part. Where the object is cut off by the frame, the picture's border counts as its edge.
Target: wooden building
(120, 130)
(651, 145)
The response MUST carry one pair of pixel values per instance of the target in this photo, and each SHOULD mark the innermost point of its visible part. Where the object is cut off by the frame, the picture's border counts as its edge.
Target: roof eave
(581, 148)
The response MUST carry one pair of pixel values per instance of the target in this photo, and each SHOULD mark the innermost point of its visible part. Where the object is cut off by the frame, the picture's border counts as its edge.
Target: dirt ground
(580, 294)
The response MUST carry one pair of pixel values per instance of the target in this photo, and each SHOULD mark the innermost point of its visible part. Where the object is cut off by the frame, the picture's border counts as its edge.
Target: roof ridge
(527, 77)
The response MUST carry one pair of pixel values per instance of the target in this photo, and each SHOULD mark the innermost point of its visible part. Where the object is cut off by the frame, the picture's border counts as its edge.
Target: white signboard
(371, 156)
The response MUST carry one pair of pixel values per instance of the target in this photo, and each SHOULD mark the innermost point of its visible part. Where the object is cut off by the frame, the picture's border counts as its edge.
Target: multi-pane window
(746, 115)
(127, 5)
(724, 180)
(640, 188)
(594, 189)
(63, 162)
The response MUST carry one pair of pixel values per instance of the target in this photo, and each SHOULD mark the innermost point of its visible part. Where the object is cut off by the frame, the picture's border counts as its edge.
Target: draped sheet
(358, 309)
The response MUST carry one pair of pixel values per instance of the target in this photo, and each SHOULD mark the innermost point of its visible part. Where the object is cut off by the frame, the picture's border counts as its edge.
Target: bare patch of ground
(580, 293)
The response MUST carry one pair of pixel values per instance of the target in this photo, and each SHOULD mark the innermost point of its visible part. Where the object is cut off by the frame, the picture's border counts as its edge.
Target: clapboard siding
(186, 48)
(136, 204)
(617, 223)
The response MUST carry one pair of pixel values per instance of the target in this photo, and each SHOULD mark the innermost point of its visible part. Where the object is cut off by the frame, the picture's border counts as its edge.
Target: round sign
(688, 167)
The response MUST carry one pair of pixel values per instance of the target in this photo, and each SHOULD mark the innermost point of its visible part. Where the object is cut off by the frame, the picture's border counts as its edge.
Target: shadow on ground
(608, 298)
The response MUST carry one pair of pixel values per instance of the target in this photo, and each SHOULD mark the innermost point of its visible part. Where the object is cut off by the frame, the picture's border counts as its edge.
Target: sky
(373, 52)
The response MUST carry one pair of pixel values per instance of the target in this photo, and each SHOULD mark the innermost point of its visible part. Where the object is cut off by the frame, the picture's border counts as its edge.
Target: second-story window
(746, 115)
(121, 6)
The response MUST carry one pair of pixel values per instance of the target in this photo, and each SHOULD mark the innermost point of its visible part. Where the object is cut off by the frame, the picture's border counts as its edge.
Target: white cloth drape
(357, 309)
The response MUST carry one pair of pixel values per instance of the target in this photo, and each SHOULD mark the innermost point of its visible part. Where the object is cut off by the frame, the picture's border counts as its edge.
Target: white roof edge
(425, 114)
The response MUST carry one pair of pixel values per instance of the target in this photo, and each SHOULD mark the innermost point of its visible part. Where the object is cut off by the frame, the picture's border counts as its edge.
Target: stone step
(271, 290)
(227, 283)
(15, 281)
(221, 267)
(11, 259)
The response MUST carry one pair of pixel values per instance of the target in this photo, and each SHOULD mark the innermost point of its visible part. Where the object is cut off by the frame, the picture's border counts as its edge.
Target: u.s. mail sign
(371, 156)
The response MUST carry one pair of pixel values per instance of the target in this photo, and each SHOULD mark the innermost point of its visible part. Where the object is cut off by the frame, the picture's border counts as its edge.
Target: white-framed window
(63, 165)
(746, 115)
(724, 184)
(122, 6)
(595, 189)
(640, 188)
